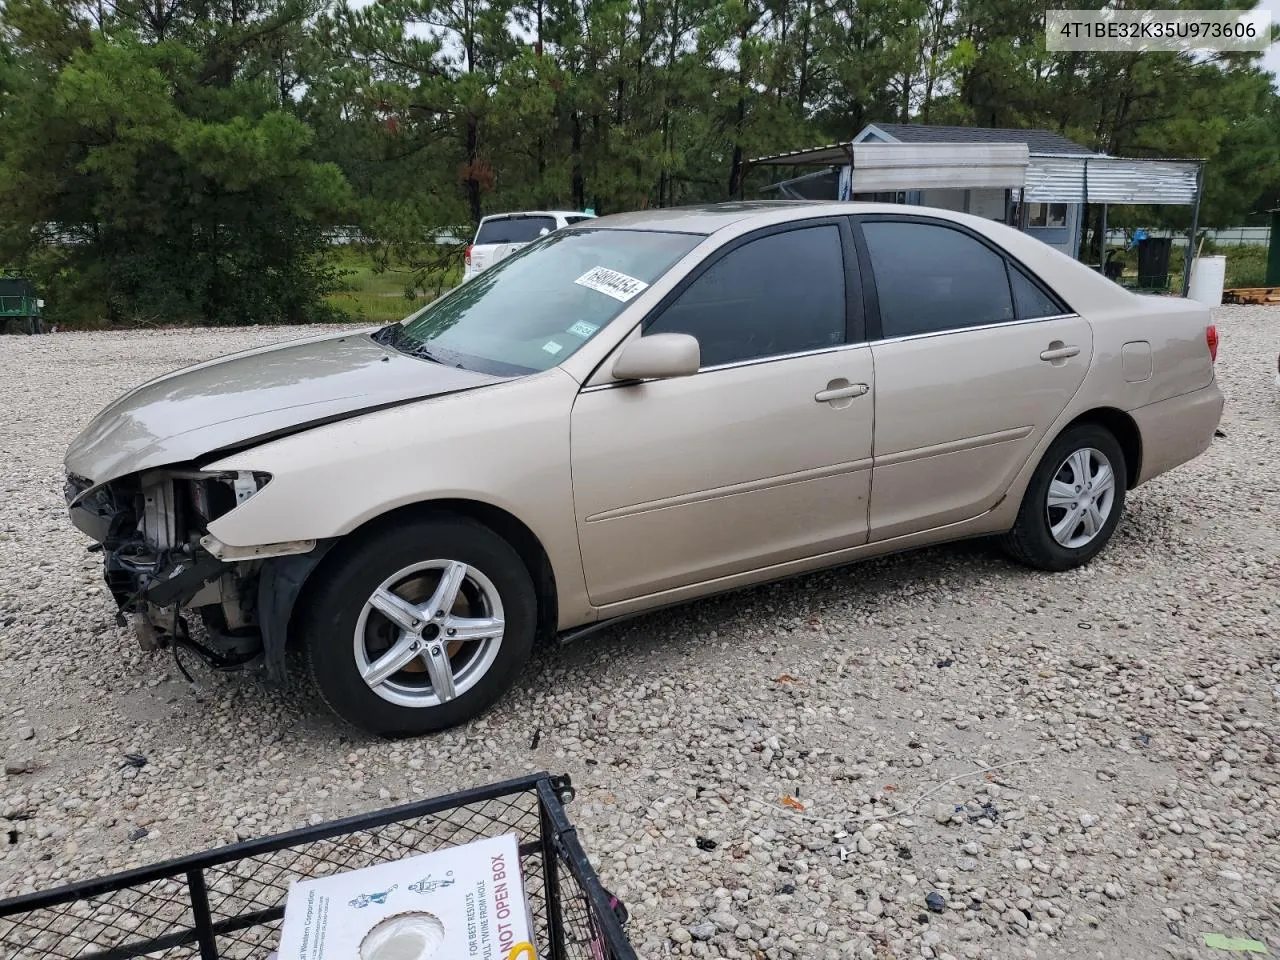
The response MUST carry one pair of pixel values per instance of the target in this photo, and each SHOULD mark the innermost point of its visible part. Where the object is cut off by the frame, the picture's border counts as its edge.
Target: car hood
(253, 396)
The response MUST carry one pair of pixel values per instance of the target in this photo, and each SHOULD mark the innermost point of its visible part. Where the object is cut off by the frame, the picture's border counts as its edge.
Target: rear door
(500, 236)
(975, 359)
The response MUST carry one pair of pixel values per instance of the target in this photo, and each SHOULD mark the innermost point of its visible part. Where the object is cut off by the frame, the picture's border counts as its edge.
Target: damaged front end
(160, 562)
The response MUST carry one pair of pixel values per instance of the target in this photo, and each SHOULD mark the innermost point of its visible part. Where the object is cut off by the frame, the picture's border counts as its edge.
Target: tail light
(467, 255)
(1211, 338)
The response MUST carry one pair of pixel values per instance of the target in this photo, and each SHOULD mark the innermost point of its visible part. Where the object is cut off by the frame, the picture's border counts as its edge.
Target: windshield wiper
(390, 335)
(395, 337)
(425, 354)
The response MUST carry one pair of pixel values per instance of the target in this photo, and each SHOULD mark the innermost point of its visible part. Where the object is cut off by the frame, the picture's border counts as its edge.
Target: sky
(1272, 60)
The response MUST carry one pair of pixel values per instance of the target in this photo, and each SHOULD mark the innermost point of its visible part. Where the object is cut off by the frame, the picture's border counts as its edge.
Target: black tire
(1031, 541)
(336, 599)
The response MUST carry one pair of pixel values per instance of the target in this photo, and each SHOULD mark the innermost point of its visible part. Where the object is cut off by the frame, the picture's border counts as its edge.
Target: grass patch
(368, 293)
(1246, 264)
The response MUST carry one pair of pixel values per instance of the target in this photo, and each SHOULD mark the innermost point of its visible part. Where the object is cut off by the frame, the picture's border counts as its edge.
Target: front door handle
(841, 393)
(1059, 352)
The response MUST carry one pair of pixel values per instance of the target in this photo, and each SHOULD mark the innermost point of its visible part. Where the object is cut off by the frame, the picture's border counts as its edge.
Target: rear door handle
(840, 393)
(1059, 353)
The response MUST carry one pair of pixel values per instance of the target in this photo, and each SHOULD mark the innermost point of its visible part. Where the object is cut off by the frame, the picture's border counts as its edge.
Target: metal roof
(1117, 180)
(1111, 180)
(1037, 141)
(831, 153)
(916, 166)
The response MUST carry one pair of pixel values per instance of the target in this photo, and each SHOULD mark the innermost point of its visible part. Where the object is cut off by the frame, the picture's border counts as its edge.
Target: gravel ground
(1077, 765)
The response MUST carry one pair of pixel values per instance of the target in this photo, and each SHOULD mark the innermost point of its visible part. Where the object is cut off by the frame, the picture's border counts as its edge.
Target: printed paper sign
(582, 329)
(611, 283)
(460, 903)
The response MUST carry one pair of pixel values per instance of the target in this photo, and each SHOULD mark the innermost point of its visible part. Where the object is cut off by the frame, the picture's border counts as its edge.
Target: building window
(1046, 214)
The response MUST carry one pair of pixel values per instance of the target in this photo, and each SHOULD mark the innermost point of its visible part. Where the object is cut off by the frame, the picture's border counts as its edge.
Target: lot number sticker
(611, 283)
(583, 329)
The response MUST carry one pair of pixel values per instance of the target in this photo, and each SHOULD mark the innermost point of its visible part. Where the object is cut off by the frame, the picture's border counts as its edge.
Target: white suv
(502, 234)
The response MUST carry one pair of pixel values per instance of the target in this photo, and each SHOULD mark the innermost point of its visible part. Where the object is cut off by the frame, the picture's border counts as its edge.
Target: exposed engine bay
(160, 562)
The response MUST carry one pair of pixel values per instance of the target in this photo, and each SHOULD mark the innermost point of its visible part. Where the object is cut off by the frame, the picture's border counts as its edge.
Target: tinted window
(537, 307)
(576, 219)
(1032, 302)
(783, 293)
(932, 278)
(514, 229)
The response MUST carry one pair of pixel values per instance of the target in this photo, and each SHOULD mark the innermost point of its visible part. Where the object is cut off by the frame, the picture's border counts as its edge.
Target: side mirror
(658, 357)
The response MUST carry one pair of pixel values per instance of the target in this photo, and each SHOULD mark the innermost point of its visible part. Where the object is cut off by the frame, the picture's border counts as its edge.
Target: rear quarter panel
(1172, 329)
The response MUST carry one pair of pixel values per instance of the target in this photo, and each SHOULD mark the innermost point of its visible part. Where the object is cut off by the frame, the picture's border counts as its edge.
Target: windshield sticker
(611, 283)
(552, 347)
(582, 329)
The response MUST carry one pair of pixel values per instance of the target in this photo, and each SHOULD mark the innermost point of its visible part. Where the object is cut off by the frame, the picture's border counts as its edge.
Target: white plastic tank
(1208, 277)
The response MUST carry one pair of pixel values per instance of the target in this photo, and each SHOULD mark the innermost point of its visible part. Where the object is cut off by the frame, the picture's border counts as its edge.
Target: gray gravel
(991, 762)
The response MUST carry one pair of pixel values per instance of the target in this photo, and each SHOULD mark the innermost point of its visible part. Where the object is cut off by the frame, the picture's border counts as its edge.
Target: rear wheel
(421, 627)
(1073, 503)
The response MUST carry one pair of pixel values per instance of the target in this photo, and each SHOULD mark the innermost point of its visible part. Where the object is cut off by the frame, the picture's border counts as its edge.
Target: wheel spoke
(1066, 527)
(466, 628)
(446, 594)
(436, 657)
(1104, 479)
(1080, 467)
(396, 609)
(1093, 519)
(1062, 494)
(401, 653)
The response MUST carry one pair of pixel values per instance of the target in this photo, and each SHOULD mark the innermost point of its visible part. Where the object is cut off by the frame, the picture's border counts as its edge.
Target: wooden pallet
(1252, 295)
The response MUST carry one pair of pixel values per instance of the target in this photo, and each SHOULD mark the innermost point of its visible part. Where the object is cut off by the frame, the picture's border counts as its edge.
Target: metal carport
(875, 167)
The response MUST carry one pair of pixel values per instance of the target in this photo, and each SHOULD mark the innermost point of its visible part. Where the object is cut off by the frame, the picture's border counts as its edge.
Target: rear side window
(576, 219)
(1032, 301)
(931, 279)
(783, 293)
(514, 229)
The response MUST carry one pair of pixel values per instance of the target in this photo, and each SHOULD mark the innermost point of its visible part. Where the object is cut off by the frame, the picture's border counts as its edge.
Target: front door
(975, 361)
(761, 457)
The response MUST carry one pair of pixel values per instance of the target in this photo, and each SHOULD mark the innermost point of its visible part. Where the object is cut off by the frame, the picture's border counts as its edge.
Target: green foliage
(151, 174)
(182, 162)
(373, 288)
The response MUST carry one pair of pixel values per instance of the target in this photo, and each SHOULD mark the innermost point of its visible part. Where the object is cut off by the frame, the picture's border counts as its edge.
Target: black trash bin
(1153, 263)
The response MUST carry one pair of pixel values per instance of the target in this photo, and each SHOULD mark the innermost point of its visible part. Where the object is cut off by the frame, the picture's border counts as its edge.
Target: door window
(930, 279)
(780, 294)
(1032, 301)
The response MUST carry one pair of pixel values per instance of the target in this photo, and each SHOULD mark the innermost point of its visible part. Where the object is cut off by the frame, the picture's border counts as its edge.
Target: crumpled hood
(254, 394)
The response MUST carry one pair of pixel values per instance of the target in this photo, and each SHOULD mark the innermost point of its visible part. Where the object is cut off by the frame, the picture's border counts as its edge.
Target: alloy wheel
(429, 633)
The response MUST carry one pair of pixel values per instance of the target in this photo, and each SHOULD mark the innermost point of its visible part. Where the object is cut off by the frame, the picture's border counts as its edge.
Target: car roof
(703, 218)
(536, 213)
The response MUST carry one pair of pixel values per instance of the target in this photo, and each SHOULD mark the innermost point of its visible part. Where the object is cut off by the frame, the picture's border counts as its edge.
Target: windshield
(514, 229)
(537, 307)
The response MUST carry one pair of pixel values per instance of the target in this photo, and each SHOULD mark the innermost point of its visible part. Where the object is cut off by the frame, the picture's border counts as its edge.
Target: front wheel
(420, 627)
(1073, 502)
